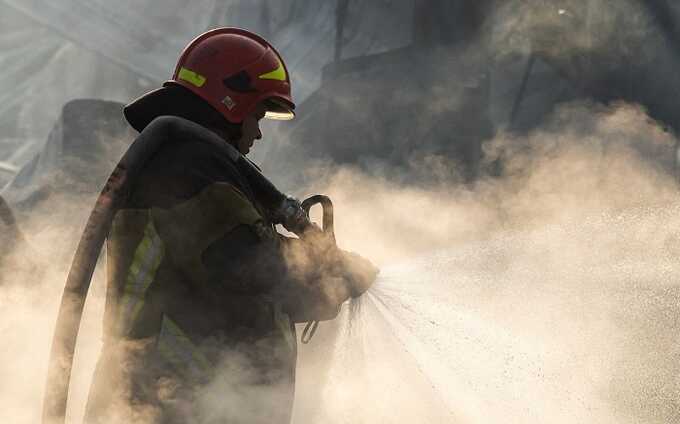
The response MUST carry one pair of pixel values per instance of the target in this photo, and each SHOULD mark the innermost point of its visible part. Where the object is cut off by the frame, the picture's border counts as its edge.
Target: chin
(244, 148)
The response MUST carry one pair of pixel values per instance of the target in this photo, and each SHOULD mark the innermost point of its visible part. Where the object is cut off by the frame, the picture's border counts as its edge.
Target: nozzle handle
(327, 205)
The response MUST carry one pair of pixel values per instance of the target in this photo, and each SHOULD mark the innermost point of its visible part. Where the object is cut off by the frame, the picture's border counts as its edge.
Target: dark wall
(436, 97)
(449, 21)
(392, 110)
(82, 149)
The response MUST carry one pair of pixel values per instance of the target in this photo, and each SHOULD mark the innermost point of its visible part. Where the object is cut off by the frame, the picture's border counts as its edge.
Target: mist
(539, 287)
(548, 293)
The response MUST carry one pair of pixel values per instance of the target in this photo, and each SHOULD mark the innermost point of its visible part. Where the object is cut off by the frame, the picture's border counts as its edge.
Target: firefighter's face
(250, 129)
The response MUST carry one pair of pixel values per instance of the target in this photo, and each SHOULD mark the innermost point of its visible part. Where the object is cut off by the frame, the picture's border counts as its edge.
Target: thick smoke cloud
(547, 292)
(564, 27)
(555, 280)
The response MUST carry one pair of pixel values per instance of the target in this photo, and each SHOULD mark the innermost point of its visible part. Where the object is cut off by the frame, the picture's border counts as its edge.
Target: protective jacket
(202, 297)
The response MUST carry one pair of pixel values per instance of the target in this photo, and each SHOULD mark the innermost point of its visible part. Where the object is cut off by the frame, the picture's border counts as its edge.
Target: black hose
(266, 192)
(80, 275)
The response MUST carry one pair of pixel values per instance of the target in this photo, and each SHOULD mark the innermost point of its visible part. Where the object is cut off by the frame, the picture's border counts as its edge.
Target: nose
(258, 134)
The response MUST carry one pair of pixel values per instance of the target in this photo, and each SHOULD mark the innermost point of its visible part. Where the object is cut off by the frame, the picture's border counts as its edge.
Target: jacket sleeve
(220, 242)
(215, 235)
(308, 284)
(190, 227)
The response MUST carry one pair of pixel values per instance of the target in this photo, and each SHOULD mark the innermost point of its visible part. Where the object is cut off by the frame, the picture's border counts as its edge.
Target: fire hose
(284, 210)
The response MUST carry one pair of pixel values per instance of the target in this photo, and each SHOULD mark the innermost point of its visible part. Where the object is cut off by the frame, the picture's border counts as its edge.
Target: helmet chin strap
(229, 136)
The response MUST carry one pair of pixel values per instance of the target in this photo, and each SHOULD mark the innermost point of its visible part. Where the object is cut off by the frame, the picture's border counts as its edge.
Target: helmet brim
(279, 109)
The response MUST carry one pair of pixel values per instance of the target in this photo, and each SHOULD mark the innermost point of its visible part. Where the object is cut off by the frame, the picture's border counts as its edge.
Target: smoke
(610, 30)
(28, 305)
(547, 291)
(585, 159)
(544, 294)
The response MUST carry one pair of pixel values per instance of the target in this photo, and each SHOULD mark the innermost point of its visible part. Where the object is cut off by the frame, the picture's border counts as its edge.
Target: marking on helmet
(229, 102)
(278, 74)
(191, 77)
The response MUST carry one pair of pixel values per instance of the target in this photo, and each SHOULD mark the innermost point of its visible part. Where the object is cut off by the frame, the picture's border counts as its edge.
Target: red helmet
(233, 70)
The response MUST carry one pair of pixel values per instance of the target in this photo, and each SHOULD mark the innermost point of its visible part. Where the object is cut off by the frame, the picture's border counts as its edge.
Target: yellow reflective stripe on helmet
(278, 74)
(145, 263)
(191, 77)
(176, 347)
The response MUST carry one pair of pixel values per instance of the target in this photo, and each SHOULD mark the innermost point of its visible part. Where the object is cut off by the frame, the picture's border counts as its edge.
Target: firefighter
(203, 293)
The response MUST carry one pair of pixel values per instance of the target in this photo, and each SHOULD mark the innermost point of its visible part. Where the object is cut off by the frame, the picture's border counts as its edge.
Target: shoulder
(188, 159)
(175, 132)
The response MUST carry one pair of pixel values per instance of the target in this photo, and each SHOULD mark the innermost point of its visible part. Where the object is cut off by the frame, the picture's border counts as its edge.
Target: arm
(307, 284)
(310, 283)
(221, 243)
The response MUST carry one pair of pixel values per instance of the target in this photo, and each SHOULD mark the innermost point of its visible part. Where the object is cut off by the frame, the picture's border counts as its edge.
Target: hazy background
(510, 165)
